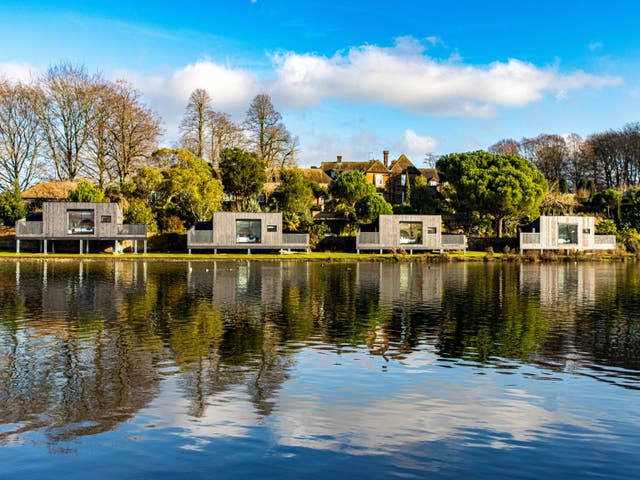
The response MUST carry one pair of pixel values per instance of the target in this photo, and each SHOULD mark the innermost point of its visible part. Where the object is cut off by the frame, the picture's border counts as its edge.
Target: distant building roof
(344, 166)
(431, 174)
(316, 175)
(51, 190)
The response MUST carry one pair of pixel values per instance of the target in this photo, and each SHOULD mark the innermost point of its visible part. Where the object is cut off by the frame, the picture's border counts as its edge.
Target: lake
(138, 369)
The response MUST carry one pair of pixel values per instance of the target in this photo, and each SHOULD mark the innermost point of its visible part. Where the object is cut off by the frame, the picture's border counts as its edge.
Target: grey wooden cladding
(29, 229)
(570, 232)
(82, 221)
(410, 232)
(246, 231)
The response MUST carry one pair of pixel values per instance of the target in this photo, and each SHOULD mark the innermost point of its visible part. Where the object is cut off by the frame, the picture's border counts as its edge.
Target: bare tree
(506, 147)
(269, 137)
(133, 129)
(20, 140)
(67, 114)
(577, 165)
(100, 163)
(193, 125)
(222, 133)
(548, 153)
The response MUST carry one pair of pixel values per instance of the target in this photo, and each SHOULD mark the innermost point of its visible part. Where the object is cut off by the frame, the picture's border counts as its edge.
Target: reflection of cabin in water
(246, 231)
(563, 233)
(81, 221)
(410, 232)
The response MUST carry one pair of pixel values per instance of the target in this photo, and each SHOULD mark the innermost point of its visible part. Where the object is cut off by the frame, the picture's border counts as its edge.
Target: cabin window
(410, 233)
(378, 179)
(272, 228)
(80, 222)
(105, 219)
(568, 234)
(432, 230)
(248, 231)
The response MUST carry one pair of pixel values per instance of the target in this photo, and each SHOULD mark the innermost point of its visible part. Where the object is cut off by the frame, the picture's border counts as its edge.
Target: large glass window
(80, 222)
(248, 231)
(567, 234)
(410, 233)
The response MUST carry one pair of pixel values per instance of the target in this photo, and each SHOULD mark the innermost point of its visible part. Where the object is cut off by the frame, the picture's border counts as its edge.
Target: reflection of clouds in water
(228, 414)
(434, 408)
(312, 413)
(383, 425)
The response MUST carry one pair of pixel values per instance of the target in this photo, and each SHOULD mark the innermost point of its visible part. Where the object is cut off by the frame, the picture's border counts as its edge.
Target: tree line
(608, 160)
(70, 124)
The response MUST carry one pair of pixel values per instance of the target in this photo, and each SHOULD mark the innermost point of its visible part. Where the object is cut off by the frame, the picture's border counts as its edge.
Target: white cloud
(231, 89)
(403, 77)
(416, 146)
(20, 72)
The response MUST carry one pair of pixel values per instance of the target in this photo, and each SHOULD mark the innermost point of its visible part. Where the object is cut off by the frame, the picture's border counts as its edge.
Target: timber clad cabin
(563, 233)
(82, 221)
(244, 231)
(410, 232)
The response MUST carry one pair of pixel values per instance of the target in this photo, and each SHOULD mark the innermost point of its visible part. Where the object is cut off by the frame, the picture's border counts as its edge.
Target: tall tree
(100, 163)
(67, 113)
(495, 187)
(275, 146)
(193, 127)
(133, 129)
(243, 175)
(221, 133)
(20, 139)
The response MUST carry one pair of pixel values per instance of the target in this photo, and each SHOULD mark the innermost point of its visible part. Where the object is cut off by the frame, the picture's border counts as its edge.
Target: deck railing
(529, 239)
(609, 240)
(295, 238)
(24, 228)
(368, 238)
(200, 236)
(135, 229)
(453, 242)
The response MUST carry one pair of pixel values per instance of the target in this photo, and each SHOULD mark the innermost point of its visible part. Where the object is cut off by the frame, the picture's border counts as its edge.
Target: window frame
(86, 216)
(246, 231)
(414, 230)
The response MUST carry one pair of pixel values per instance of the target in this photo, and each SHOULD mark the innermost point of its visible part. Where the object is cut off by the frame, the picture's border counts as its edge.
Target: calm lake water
(344, 370)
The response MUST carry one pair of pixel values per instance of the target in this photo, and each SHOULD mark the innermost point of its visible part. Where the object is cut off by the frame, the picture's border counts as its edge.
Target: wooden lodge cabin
(81, 221)
(563, 233)
(410, 232)
(244, 231)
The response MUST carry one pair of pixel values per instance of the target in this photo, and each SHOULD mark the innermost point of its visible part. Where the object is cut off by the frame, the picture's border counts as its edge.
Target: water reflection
(370, 355)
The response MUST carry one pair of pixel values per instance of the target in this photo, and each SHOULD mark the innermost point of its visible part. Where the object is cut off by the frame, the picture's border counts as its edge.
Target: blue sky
(355, 78)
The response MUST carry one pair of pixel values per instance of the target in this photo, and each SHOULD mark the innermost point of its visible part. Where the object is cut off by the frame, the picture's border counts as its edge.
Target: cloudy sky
(355, 78)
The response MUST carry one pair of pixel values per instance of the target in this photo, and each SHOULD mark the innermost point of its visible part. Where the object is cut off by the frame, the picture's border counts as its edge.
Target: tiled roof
(51, 190)
(316, 175)
(430, 173)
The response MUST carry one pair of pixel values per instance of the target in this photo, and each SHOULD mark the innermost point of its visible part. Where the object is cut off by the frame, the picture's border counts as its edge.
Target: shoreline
(335, 257)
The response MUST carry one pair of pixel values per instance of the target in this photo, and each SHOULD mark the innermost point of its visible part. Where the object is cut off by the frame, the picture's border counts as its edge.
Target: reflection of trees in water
(83, 346)
(67, 369)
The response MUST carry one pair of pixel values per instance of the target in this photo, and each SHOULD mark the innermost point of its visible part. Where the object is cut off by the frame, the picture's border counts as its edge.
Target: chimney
(339, 158)
(386, 158)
